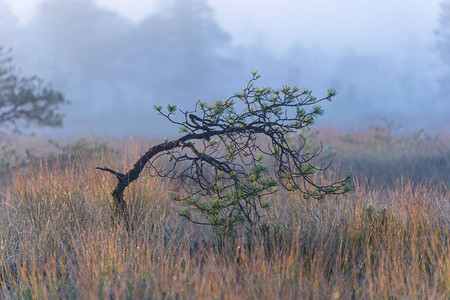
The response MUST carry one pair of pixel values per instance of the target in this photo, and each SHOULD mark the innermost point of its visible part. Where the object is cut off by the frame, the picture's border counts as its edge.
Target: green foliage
(331, 93)
(229, 179)
(171, 108)
(158, 107)
(262, 102)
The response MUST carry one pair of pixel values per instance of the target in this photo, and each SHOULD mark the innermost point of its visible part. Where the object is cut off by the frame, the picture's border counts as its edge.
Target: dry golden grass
(58, 241)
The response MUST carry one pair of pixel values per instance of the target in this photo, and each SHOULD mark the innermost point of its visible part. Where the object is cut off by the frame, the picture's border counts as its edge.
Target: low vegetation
(380, 241)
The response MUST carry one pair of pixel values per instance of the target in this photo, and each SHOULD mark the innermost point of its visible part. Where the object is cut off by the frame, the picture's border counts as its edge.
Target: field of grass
(388, 239)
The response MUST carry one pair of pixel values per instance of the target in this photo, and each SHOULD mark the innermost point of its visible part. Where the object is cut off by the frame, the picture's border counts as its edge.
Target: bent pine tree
(220, 157)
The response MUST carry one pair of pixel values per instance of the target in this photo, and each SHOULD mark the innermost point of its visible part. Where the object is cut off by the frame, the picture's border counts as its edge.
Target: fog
(113, 69)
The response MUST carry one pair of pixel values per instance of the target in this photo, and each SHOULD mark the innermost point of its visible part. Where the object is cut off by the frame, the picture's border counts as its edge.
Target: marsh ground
(388, 239)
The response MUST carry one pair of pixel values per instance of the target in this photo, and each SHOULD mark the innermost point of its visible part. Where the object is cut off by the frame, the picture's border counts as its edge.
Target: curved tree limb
(227, 170)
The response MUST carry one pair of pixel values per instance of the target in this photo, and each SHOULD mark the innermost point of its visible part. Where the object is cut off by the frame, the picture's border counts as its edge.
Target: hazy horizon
(381, 58)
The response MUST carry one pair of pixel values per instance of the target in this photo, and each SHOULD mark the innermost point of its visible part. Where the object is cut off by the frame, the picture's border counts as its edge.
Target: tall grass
(57, 240)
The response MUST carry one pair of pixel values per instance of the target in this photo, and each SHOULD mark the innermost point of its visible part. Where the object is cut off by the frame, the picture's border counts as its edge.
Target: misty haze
(113, 70)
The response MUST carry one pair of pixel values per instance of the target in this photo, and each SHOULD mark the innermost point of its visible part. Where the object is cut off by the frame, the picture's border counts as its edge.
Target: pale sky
(367, 26)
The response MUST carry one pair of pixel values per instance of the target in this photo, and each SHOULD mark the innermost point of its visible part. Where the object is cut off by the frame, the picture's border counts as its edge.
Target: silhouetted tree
(221, 158)
(25, 100)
